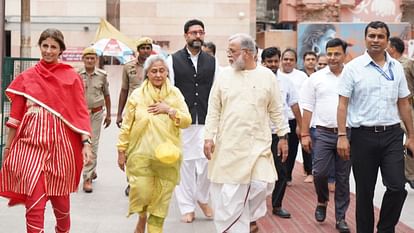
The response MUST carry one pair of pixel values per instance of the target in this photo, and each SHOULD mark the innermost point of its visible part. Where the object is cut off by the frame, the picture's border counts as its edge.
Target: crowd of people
(219, 138)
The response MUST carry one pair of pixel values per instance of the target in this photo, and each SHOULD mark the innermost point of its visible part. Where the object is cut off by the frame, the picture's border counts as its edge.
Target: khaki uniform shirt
(96, 87)
(241, 105)
(132, 76)
(408, 66)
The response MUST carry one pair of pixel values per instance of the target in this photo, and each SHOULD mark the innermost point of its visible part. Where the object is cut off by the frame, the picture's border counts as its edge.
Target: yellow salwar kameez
(152, 182)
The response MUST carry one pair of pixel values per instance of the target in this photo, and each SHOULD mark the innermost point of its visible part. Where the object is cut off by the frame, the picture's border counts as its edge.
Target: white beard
(239, 64)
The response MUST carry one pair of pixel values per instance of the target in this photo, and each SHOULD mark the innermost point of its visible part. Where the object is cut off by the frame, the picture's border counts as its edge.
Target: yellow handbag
(167, 152)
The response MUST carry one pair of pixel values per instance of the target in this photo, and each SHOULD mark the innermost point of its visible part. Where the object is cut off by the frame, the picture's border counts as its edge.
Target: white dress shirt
(319, 95)
(297, 77)
(289, 96)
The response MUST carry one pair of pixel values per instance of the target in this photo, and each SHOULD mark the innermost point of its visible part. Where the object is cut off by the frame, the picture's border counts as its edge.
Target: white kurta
(240, 106)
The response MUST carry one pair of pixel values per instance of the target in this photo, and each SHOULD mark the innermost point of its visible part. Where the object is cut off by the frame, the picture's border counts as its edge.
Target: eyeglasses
(195, 33)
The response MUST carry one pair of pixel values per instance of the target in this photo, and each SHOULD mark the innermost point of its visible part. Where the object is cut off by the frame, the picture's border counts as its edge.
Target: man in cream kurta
(244, 98)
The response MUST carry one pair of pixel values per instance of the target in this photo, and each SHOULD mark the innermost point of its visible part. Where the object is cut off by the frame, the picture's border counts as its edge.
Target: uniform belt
(332, 130)
(379, 128)
(94, 110)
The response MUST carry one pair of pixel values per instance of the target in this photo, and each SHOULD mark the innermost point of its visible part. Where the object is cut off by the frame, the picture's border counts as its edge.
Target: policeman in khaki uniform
(97, 96)
(132, 77)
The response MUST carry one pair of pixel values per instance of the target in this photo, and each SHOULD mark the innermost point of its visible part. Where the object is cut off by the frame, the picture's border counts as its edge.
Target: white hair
(151, 60)
(246, 42)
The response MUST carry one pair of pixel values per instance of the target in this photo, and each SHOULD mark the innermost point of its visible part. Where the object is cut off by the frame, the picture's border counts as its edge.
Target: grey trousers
(326, 156)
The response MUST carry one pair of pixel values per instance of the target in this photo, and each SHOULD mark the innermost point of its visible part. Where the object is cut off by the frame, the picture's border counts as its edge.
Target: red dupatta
(59, 89)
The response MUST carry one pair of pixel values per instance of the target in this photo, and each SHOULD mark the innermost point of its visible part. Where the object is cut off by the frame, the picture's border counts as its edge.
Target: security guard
(132, 77)
(97, 95)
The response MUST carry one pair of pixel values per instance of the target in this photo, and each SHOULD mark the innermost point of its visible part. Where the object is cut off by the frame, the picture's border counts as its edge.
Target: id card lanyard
(382, 72)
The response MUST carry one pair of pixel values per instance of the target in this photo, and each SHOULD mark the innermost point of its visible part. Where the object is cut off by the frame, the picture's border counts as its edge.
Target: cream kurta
(240, 106)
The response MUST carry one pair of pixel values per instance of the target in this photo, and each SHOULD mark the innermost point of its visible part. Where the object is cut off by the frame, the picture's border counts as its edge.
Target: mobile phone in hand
(409, 152)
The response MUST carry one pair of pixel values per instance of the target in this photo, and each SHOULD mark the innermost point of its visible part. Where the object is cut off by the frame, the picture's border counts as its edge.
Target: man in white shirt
(270, 59)
(319, 100)
(244, 98)
(297, 77)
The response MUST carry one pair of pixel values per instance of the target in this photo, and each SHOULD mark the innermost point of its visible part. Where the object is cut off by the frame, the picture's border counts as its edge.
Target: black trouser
(369, 151)
(280, 185)
(325, 157)
(293, 143)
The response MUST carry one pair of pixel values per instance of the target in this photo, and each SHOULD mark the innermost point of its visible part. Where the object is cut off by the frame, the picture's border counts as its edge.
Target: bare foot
(142, 222)
(208, 212)
(188, 217)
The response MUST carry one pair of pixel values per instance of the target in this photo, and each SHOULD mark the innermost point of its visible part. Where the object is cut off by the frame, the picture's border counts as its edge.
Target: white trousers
(194, 185)
(236, 205)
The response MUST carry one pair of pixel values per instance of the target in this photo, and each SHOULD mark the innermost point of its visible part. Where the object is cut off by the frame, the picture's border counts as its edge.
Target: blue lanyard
(382, 72)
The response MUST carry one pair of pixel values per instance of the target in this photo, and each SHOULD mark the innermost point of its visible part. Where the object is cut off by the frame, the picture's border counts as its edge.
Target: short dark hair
(309, 53)
(211, 46)
(292, 51)
(321, 55)
(270, 52)
(54, 34)
(398, 44)
(192, 22)
(337, 42)
(376, 25)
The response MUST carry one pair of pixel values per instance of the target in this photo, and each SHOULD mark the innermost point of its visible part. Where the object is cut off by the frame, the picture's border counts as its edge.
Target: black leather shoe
(320, 213)
(411, 183)
(342, 226)
(281, 212)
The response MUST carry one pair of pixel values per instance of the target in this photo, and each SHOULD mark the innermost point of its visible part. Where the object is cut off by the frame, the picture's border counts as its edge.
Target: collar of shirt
(83, 71)
(191, 55)
(366, 60)
(139, 63)
(326, 71)
(194, 58)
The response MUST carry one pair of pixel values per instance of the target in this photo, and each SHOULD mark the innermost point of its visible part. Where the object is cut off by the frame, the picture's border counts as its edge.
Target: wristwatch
(87, 141)
(283, 137)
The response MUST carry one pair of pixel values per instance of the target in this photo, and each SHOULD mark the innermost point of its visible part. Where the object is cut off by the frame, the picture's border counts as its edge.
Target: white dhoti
(236, 205)
(194, 185)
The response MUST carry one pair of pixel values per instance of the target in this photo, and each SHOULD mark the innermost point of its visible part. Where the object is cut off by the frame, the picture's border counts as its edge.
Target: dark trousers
(293, 143)
(280, 185)
(370, 151)
(326, 157)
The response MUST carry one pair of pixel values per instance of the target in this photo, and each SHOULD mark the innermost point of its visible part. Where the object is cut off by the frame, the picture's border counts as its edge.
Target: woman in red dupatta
(48, 139)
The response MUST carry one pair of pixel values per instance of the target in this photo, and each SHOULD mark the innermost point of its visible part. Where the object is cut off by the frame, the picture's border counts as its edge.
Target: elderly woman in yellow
(149, 144)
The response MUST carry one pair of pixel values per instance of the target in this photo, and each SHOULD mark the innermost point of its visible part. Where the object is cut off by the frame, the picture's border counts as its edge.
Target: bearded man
(192, 71)
(244, 99)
